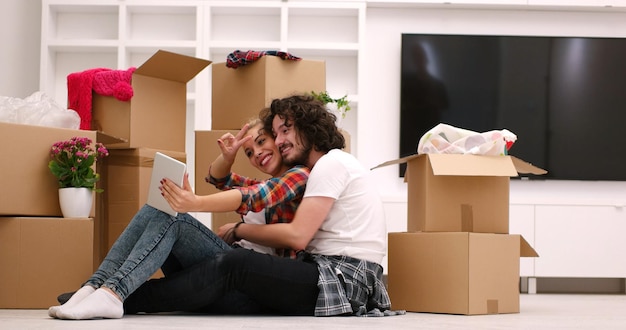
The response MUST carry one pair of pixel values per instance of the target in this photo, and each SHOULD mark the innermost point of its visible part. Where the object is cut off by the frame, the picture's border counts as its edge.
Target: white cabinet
(580, 241)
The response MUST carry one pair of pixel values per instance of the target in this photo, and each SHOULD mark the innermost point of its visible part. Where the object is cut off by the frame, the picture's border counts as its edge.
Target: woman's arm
(255, 198)
(184, 200)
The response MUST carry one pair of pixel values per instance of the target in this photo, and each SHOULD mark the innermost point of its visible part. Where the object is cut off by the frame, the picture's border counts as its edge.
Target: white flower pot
(75, 202)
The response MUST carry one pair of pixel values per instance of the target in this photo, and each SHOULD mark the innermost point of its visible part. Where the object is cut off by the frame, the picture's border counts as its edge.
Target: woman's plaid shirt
(279, 196)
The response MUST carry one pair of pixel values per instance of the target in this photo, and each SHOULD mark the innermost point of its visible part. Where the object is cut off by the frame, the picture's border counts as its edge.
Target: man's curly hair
(311, 119)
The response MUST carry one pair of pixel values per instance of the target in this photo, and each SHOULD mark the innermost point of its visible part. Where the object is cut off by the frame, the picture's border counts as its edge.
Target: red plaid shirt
(279, 196)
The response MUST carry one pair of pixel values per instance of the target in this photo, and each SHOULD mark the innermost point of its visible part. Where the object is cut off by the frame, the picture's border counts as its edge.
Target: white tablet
(164, 167)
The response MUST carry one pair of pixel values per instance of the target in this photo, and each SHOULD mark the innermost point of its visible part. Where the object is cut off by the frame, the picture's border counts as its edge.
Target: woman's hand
(183, 199)
(230, 144)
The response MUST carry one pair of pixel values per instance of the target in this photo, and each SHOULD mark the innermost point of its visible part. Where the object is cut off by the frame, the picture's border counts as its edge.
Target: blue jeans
(149, 239)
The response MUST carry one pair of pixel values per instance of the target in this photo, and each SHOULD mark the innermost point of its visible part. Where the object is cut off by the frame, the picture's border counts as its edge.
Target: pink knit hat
(114, 83)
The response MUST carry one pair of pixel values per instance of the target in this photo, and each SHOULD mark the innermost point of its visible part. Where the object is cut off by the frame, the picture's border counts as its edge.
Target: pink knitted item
(81, 85)
(114, 83)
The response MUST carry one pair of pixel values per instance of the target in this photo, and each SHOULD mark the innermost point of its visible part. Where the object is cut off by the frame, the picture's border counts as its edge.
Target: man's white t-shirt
(356, 224)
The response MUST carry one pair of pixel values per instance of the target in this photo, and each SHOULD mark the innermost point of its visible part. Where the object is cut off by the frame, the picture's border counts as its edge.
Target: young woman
(153, 237)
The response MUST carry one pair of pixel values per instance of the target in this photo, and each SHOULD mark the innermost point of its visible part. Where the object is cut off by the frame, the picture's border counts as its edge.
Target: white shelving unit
(79, 35)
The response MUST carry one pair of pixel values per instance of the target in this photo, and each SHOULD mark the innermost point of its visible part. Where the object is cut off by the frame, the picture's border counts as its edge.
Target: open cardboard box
(155, 117)
(460, 193)
(239, 94)
(456, 272)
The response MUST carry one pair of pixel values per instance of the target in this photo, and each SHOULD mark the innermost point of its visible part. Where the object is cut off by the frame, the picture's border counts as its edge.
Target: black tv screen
(564, 97)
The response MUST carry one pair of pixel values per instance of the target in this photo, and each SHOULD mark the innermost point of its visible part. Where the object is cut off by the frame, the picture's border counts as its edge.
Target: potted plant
(339, 106)
(72, 163)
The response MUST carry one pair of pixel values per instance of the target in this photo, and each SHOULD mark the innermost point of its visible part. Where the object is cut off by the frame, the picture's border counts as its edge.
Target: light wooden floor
(538, 311)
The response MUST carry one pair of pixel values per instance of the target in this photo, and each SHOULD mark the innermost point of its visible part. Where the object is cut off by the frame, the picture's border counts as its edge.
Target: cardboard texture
(455, 273)
(125, 186)
(155, 117)
(460, 193)
(239, 94)
(28, 186)
(41, 258)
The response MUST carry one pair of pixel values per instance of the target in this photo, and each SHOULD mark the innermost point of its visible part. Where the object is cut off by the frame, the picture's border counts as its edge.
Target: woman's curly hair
(311, 119)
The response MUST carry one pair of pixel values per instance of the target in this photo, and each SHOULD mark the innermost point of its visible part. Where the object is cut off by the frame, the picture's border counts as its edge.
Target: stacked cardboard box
(153, 120)
(237, 96)
(457, 256)
(34, 238)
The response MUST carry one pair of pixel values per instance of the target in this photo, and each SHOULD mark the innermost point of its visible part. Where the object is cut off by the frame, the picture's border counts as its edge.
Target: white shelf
(78, 35)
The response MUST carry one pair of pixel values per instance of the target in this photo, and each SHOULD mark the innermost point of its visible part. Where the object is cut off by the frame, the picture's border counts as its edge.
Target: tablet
(164, 167)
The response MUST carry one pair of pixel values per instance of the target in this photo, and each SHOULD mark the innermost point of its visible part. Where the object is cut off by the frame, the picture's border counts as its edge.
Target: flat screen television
(564, 97)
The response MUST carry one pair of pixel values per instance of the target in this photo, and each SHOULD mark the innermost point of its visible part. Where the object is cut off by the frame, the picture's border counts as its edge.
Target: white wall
(379, 88)
(20, 41)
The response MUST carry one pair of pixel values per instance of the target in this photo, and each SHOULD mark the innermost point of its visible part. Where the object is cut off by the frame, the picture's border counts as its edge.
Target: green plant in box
(342, 103)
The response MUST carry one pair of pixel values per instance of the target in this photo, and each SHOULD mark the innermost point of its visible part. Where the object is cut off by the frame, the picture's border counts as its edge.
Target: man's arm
(295, 235)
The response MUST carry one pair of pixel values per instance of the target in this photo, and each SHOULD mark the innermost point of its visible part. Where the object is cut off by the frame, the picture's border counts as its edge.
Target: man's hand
(227, 233)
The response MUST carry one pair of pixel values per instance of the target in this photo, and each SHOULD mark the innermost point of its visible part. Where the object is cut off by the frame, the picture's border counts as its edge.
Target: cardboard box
(125, 186)
(27, 186)
(456, 273)
(239, 94)
(41, 258)
(460, 193)
(155, 117)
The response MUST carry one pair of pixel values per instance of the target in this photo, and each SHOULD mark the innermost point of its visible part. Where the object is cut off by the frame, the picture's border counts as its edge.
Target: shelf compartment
(66, 62)
(238, 24)
(161, 23)
(75, 22)
(336, 25)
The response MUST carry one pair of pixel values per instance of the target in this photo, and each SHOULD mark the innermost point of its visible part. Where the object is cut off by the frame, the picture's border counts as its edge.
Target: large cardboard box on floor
(460, 193)
(239, 94)
(456, 273)
(41, 258)
(155, 117)
(206, 152)
(27, 186)
(126, 174)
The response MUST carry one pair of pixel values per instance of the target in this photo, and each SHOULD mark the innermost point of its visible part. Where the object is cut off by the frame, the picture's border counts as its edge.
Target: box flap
(471, 165)
(526, 168)
(172, 66)
(525, 249)
(107, 139)
(396, 161)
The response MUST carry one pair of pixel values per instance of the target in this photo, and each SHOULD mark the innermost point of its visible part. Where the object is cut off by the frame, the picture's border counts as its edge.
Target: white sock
(79, 295)
(100, 304)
